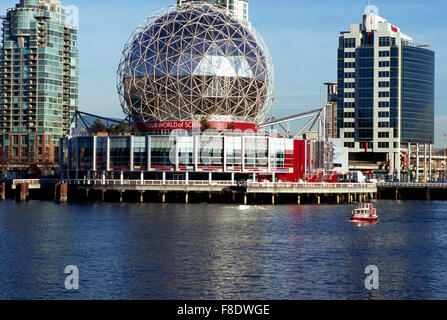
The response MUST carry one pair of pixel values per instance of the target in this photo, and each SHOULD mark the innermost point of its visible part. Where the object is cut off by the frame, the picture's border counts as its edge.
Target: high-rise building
(385, 93)
(38, 82)
(331, 110)
(237, 8)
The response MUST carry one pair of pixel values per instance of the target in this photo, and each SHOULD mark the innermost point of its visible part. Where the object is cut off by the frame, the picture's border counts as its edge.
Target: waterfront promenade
(163, 191)
(184, 191)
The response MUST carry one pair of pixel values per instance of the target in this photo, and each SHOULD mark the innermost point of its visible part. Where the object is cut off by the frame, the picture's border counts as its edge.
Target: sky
(302, 37)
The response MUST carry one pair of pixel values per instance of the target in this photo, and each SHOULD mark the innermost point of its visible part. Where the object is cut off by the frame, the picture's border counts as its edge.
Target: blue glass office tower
(385, 93)
(418, 82)
(38, 82)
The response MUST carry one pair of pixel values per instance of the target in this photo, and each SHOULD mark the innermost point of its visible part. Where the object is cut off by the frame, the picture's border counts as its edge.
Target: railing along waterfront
(411, 185)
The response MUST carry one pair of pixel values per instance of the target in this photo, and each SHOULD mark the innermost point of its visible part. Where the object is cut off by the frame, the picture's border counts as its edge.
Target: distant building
(237, 8)
(385, 93)
(340, 156)
(38, 82)
(331, 110)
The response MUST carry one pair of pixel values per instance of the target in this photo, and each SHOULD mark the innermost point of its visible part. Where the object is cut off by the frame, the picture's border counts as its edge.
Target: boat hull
(364, 220)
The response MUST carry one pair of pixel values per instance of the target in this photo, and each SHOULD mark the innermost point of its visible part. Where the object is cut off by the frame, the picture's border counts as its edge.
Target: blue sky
(302, 37)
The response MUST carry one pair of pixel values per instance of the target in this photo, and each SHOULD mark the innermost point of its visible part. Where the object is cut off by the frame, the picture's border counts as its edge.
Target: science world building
(195, 83)
(195, 62)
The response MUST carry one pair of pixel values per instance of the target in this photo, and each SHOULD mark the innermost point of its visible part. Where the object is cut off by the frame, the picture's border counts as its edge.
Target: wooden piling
(3, 191)
(63, 192)
(22, 192)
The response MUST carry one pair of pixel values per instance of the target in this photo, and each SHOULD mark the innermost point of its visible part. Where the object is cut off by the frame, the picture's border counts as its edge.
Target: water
(153, 251)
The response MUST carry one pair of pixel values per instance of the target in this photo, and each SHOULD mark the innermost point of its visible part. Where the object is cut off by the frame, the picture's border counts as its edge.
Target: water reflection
(154, 251)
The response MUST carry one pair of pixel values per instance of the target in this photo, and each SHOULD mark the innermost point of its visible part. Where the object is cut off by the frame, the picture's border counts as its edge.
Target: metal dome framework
(194, 61)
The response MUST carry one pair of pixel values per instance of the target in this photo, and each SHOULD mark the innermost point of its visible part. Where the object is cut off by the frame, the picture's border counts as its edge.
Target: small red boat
(364, 212)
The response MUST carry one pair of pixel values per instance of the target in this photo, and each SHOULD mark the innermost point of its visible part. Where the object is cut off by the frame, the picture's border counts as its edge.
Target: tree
(119, 128)
(98, 126)
(205, 124)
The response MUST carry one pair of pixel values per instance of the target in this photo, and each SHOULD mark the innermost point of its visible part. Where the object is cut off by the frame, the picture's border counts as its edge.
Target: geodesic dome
(194, 61)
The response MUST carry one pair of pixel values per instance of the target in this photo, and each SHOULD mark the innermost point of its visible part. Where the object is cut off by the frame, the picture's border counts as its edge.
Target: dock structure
(190, 191)
(412, 191)
(211, 191)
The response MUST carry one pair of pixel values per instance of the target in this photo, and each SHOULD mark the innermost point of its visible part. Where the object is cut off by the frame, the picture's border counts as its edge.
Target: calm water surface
(154, 251)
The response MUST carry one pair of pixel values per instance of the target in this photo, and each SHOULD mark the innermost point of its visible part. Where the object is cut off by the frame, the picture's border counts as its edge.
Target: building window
(363, 145)
(349, 75)
(384, 135)
(384, 74)
(384, 64)
(349, 85)
(384, 84)
(349, 125)
(384, 94)
(384, 41)
(383, 145)
(350, 43)
(384, 53)
(349, 135)
(349, 94)
(349, 105)
(349, 65)
(350, 145)
(349, 115)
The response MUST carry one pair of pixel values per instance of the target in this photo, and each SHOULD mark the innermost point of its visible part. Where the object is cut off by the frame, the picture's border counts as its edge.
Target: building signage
(168, 125)
(192, 125)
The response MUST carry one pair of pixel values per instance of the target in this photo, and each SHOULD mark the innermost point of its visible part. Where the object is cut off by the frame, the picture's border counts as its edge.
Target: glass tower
(385, 92)
(38, 82)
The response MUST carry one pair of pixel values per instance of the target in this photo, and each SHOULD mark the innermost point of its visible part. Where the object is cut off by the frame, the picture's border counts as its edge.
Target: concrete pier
(61, 192)
(22, 192)
(197, 191)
